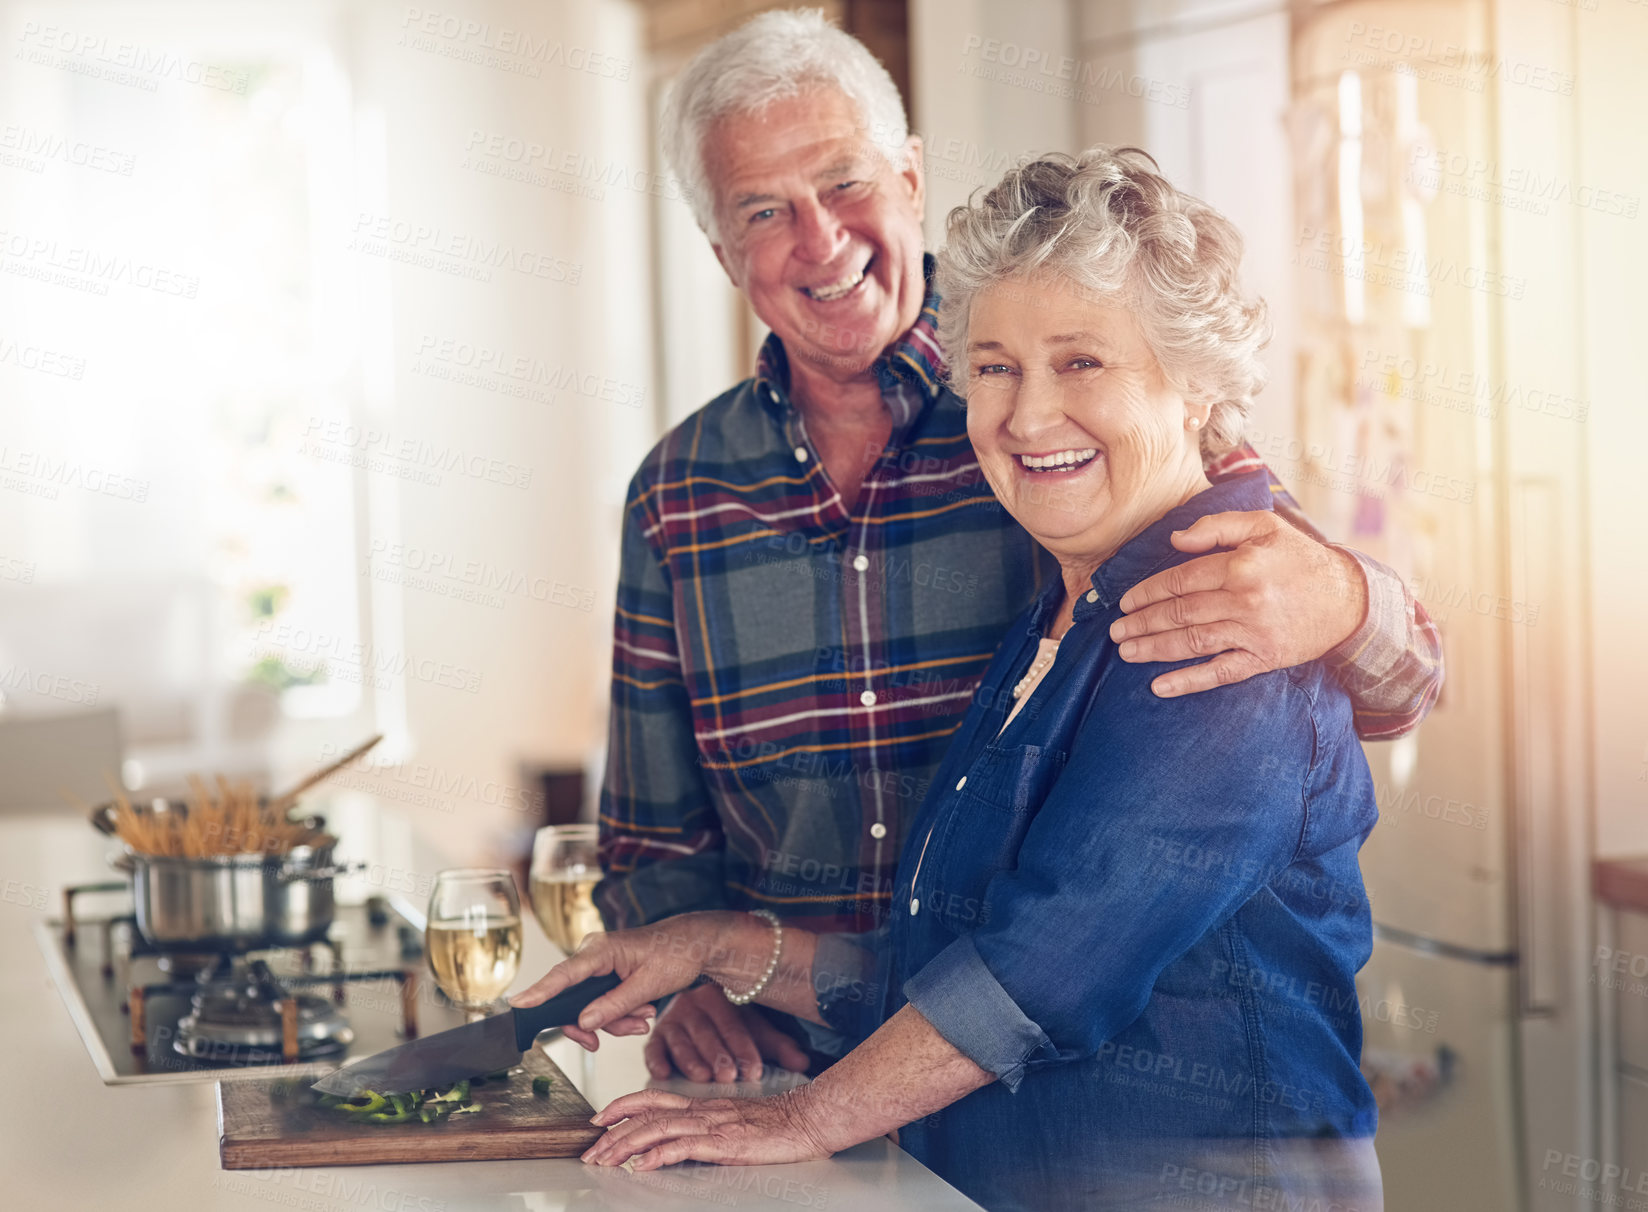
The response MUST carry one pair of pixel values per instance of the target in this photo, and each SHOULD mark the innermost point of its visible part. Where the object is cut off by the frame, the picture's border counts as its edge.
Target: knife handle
(563, 1008)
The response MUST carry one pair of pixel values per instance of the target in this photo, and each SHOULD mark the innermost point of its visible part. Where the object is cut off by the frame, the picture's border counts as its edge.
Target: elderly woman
(1119, 967)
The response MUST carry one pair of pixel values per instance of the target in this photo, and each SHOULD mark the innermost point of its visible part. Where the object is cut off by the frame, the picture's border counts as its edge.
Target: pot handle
(291, 875)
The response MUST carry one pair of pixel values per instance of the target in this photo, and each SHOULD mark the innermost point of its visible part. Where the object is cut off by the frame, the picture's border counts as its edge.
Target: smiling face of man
(1077, 429)
(818, 229)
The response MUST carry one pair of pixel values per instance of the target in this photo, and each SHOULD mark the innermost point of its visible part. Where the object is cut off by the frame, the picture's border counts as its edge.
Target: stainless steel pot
(233, 902)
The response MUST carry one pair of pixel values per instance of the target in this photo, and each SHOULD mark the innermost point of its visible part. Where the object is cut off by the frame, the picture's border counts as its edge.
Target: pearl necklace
(1038, 667)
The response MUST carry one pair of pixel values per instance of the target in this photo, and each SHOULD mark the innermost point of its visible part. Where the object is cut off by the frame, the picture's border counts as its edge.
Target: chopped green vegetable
(502, 1075)
(540, 1085)
(389, 1117)
(411, 1106)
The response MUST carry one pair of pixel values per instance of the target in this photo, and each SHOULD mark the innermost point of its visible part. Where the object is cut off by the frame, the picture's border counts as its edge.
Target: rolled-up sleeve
(958, 994)
(1391, 666)
(1142, 846)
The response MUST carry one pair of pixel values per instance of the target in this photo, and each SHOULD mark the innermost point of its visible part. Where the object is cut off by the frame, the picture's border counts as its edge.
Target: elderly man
(815, 575)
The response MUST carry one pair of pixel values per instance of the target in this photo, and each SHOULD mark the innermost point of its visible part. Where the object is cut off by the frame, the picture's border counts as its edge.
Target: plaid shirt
(787, 674)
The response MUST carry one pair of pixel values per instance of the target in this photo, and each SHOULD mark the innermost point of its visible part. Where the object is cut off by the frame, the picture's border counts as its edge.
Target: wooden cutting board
(265, 1123)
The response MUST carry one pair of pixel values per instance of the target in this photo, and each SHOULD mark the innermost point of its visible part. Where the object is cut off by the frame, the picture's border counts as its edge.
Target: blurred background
(331, 332)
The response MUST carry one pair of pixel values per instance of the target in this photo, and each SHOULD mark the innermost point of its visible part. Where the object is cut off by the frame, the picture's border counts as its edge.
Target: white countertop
(69, 1141)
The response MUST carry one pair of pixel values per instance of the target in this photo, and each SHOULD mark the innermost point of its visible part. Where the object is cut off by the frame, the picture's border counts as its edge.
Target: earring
(1193, 423)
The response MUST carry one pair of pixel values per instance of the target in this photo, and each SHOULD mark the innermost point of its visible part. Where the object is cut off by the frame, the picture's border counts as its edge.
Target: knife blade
(482, 1047)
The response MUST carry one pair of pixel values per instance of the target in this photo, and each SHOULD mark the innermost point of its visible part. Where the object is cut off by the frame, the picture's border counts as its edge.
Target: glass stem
(588, 1063)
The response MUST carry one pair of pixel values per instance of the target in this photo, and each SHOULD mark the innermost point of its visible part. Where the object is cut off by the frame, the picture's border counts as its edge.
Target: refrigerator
(1438, 428)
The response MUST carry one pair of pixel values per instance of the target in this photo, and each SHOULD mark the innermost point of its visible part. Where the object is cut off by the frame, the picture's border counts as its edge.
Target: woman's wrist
(736, 949)
(828, 1125)
(741, 949)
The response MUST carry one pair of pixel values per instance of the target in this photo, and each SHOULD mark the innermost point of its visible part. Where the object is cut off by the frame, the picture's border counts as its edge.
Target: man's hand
(710, 1039)
(1278, 599)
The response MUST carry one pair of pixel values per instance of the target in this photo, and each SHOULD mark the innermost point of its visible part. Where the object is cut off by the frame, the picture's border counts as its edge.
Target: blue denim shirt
(1145, 917)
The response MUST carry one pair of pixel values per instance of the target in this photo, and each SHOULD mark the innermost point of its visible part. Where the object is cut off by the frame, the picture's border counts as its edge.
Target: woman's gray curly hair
(1112, 224)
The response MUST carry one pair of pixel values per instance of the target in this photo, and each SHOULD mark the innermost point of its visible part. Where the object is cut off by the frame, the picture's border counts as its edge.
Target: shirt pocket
(1013, 778)
(1004, 788)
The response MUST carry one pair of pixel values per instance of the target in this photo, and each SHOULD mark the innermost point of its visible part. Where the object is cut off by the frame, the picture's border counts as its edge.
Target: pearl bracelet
(743, 999)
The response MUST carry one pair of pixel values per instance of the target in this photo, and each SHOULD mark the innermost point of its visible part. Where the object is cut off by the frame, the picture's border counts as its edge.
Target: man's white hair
(769, 58)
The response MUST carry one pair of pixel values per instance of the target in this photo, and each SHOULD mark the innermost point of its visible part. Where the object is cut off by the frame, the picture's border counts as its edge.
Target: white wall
(399, 194)
(542, 659)
(975, 104)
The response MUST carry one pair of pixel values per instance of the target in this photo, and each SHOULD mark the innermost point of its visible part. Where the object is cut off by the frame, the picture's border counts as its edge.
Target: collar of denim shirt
(1151, 550)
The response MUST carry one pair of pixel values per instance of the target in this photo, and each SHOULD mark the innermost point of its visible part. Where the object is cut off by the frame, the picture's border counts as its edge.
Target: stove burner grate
(243, 1014)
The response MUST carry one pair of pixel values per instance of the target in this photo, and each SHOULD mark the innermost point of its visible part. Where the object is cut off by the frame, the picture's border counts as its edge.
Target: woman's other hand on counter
(659, 1128)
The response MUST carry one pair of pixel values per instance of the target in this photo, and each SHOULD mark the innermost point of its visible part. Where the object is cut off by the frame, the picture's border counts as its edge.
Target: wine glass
(474, 936)
(565, 870)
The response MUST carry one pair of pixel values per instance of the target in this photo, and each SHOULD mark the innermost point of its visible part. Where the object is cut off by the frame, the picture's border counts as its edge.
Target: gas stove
(151, 1014)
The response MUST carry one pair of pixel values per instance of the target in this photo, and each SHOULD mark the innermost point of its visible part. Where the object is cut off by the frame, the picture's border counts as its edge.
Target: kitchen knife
(471, 1050)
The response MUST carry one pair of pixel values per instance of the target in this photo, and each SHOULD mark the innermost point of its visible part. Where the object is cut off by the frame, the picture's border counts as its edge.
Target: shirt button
(800, 454)
(860, 563)
(915, 906)
(867, 698)
(878, 831)
(962, 783)
(1092, 595)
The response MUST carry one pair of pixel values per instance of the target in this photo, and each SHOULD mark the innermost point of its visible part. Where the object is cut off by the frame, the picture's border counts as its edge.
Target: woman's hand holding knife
(668, 956)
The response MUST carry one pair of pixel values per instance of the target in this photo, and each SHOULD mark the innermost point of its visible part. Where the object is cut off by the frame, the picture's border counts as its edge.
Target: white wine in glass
(474, 936)
(565, 870)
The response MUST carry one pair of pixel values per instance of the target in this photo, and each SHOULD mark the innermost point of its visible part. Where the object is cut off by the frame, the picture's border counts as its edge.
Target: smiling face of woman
(1076, 427)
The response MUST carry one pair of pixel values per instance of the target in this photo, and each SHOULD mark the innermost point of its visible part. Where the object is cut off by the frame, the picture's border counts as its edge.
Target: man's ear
(726, 267)
(914, 172)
